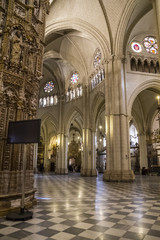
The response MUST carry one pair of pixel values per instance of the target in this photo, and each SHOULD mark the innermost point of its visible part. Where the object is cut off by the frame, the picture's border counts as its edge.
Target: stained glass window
(74, 78)
(51, 100)
(97, 58)
(49, 86)
(150, 44)
(136, 47)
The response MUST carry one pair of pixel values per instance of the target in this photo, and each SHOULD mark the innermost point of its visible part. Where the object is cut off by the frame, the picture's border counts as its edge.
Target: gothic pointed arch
(97, 105)
(74, 113)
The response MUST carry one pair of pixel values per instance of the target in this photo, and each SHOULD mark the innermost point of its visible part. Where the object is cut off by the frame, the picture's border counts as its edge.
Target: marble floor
(81, 208)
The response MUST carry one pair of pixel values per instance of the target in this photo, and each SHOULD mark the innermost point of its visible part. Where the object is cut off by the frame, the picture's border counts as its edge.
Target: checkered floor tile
(77, 208)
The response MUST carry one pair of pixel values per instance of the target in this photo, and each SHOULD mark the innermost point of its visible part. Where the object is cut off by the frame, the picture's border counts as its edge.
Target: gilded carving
(21, 69)
(12, 79)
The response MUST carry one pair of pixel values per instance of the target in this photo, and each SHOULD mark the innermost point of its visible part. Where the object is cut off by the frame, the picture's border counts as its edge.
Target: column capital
(114, 58)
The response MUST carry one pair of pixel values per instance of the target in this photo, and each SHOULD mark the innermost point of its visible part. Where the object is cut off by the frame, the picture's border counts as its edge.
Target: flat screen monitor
(26, 131)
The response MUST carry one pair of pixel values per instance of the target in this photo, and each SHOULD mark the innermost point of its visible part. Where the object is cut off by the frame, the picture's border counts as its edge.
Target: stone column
(66, 153)
(94, 170)
(143, 150)
(117, 126)
(88, 166)
(89, 155)
(61, 163)
(46, 162)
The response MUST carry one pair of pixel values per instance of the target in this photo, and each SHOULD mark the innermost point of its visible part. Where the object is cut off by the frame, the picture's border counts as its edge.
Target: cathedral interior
(88, 71)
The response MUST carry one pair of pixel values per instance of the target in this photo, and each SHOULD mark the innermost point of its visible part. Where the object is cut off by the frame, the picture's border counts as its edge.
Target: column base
(89, 172)
(61, 171)
(118, 176)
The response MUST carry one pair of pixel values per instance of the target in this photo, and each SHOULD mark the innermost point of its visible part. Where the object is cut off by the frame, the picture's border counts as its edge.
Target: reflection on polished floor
(81, 208)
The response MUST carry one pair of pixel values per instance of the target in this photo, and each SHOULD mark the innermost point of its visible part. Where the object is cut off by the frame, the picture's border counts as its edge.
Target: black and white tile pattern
(81, 208)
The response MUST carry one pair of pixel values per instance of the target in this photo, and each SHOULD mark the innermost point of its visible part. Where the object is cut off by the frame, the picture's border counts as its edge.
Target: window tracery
(49, 86)
(74, 77)
(97, 77)
(150, 44)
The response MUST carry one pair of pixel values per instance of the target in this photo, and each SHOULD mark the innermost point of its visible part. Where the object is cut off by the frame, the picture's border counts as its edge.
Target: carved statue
(31, 60)
(36, 7)
(16, 48)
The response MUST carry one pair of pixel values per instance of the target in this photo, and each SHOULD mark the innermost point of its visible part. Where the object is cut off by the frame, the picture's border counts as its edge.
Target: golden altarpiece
(22, 24)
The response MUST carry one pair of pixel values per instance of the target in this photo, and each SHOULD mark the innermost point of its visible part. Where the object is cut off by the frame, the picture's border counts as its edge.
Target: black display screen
(27, 131)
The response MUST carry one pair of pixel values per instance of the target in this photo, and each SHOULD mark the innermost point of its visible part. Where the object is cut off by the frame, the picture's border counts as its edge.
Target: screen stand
(23, 215)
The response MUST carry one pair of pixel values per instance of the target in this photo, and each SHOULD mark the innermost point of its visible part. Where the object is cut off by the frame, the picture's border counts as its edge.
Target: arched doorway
(144, 110)
(101, 142)
(74, 148)
(134, 148)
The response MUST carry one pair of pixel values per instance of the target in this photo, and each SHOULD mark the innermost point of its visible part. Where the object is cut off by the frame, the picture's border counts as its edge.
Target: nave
(72, 207)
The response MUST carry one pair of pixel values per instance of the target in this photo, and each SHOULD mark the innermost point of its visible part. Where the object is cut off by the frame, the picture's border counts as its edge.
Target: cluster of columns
(117, 129)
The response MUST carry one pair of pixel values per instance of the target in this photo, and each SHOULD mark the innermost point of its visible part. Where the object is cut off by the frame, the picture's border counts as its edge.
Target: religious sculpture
(16, 49)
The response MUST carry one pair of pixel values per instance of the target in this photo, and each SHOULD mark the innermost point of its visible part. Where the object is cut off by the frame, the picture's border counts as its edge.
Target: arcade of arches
(96, 93)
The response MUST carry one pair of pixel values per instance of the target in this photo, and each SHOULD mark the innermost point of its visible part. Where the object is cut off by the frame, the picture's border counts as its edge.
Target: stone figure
(16, 48)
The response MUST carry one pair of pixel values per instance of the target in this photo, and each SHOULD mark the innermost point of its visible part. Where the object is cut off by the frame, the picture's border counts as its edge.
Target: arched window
(44, 102)
(67, 96)
(77, 92)
(55, 99)
(80, 91)
(71, 95)
(51, 100)
(74, 93)
(40, 102)
(99, 76)
(47, 101)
